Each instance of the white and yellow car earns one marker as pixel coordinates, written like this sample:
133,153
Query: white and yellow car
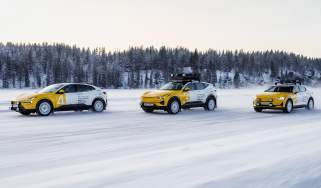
61,97
284,97
184,91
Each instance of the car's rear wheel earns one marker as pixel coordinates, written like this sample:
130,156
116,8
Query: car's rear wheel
173,106
310,105
44,108
258,109
288,106
98,105
210,104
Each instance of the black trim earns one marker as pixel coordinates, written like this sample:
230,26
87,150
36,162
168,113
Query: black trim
277,107
193,104
73,107
154,107
21,109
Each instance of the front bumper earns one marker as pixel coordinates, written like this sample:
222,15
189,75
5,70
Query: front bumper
18,107
152,107
268,105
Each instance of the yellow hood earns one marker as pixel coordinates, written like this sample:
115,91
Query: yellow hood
25,96
158,93
272,95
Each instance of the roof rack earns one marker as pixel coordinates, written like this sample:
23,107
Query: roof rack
288,82
185,77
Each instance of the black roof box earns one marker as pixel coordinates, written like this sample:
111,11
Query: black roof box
185,77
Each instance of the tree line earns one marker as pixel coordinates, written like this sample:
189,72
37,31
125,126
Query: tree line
39,65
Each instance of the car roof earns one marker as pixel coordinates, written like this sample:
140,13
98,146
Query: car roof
65,84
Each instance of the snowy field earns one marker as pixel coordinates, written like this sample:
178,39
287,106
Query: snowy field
233,147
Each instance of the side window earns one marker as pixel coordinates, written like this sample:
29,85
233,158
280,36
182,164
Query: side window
84,88
70,89
296,89
191,86
302,89
201,86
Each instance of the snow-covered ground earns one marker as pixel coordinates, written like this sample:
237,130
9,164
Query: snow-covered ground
125,147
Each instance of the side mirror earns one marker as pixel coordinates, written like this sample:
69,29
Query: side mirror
186,89
61,91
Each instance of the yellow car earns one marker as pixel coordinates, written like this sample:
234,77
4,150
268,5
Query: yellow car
185,91
61,97
284,97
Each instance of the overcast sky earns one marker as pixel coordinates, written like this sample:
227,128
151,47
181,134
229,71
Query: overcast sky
290,25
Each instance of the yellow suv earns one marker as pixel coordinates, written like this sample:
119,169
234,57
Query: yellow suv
284,97
184,91
61,97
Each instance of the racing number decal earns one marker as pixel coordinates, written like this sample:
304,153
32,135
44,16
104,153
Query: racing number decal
62,100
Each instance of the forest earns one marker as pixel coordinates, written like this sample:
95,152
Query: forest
38,65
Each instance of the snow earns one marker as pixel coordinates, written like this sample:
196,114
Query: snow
125,147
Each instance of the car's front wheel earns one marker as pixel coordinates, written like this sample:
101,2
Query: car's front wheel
98,105
288,106
173,106
310,105
44,108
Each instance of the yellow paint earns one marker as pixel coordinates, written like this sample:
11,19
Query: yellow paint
29,102
278,99
161,97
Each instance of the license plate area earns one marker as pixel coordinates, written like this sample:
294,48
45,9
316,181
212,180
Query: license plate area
148,104
266,103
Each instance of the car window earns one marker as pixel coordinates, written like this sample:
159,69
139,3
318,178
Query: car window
70,88
302,89
287,89
192,86
201,86
84,88
296,89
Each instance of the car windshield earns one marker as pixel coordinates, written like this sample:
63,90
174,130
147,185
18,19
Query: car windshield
51,88
172,86
287,89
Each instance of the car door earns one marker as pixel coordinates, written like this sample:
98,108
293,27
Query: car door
85,94
298,96
70,92
201,93
304,95
192,93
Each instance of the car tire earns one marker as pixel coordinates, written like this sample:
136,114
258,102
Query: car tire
288,106
310,105
258,109
173,106
98,105
210,104
44,108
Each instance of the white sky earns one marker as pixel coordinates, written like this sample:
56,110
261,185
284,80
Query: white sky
291,25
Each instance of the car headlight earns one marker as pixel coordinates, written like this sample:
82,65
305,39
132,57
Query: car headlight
29,100
161,98
281,98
